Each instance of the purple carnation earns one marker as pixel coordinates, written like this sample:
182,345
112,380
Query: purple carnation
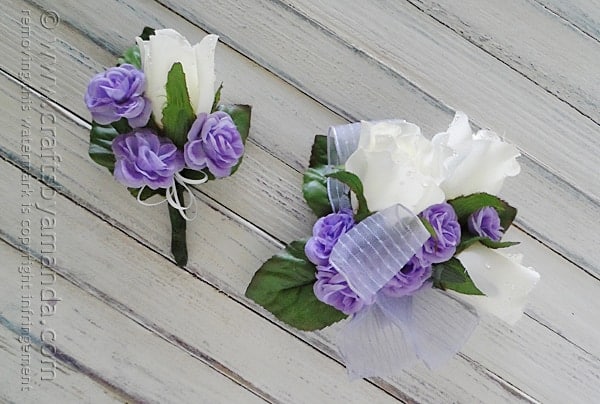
410,278
444,221
118,93
326,232
145,159
332,288
213,142
486,223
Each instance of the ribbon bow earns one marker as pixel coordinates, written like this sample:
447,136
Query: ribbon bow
392,333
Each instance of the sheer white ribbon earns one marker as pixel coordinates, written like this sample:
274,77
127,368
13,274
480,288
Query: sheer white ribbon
392,333
172,198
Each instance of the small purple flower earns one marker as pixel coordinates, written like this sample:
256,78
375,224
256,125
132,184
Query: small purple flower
213,142
486,223
444,221
118,93
331,288
145,159
410,279
326,232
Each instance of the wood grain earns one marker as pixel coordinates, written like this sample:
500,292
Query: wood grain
384,86
581,13
546,49
208,257
534,192
551,355
225,254
196,323
88,339
16,388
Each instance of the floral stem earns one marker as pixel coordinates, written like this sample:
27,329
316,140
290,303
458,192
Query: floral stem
178,230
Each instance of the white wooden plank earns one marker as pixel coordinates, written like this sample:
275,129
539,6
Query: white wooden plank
18,388
584,14
523,34
233,276
562,233
81,335
347,79
416,47
226,254
94,341
184,322
255,206
291,142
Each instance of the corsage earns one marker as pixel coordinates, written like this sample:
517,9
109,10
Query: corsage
158,125
408,244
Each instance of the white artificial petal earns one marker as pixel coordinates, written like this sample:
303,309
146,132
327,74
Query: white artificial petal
501,277
482,166
167,47
204,51
397,164
472,163
387,182
459,130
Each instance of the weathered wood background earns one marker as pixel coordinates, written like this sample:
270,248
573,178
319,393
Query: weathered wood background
130,326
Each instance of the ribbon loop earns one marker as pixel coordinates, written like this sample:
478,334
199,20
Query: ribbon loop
393,333
377,248
172,198
342,141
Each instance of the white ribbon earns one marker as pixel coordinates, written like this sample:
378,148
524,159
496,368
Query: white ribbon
392,333
173,199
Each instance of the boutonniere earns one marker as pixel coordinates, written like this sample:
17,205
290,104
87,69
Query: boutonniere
408,245
158,125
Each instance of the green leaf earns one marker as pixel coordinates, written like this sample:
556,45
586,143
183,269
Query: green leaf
314,189
498,244
131,56
468,240
429,228
240,115
197,175
217,98
355,186
100,150
318,153
178,115
146,193
147,33
122,126
453,275
178,229
466,205
284,286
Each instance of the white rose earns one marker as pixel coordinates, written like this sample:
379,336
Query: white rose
167,47
397,164
501,277
480,161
